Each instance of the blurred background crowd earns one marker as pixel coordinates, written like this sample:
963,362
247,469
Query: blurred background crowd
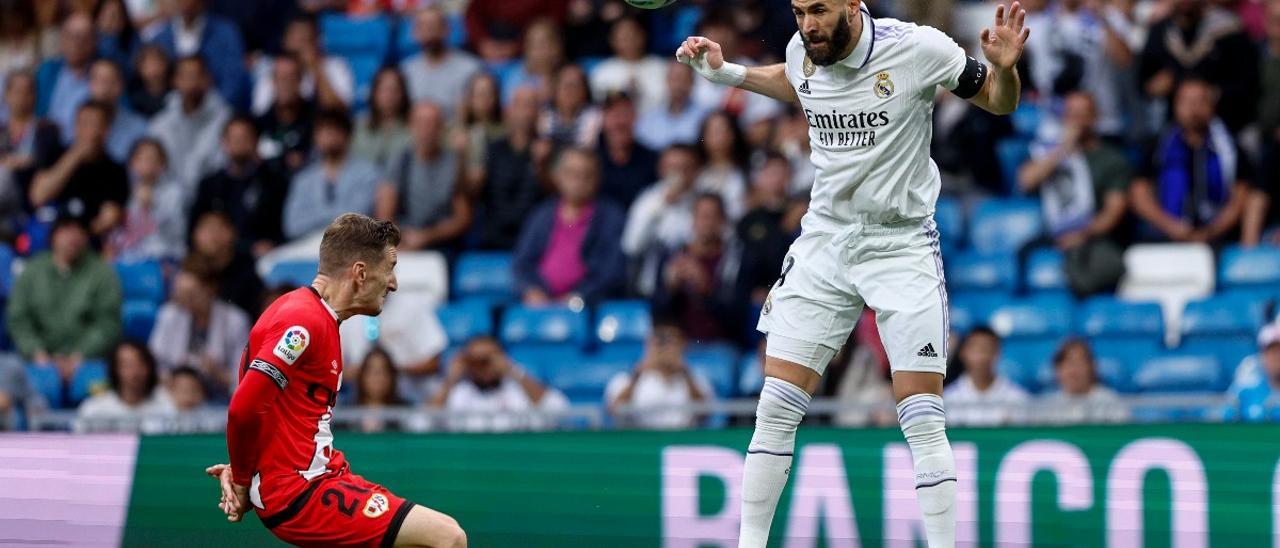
587,223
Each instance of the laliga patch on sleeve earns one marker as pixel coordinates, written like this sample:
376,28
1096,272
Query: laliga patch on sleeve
292,344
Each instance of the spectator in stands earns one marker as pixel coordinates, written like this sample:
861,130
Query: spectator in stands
65,306
630,69
376,389
333,184
586,34
117,37
660,385
792,140
859,375
186,390
327,81
155,219
85,180
149,84
193,31
512,178
286,124
1080,397
1081,48
1193,187
965,140
1201,41
195,329
191,122
569,246
484,16
64,81
251,192
764,237
106,86
479,123
627,167
423,190
491,393
719,28
26,143
1263,218
1261,401
1081,182
440,73
571,119
411,335
543,56
384,129
133,402
16,392
21,47
725,152
213,240
675,120
980,396
660,221
699,284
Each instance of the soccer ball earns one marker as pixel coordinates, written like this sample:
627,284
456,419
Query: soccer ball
650,4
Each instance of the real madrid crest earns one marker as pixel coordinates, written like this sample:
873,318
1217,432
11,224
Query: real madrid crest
883,85
809,67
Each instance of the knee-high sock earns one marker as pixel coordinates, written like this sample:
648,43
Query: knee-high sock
768,464
924,425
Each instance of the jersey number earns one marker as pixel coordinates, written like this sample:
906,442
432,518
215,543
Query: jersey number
330,497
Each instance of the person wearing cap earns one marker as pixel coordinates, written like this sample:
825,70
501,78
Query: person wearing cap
1260,401
65,306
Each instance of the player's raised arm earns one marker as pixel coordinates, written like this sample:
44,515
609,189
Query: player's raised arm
1002,44
707,59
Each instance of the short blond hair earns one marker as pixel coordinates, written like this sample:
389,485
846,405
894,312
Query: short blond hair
352,238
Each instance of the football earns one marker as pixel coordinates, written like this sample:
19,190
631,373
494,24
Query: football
650,4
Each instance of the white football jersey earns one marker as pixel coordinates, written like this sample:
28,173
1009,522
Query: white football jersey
871,120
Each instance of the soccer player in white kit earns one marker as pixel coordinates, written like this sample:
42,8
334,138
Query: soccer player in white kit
867,87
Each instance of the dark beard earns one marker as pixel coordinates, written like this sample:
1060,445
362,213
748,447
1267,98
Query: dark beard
834,45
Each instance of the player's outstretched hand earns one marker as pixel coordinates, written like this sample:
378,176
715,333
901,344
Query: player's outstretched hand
701,54
1003,43
235,499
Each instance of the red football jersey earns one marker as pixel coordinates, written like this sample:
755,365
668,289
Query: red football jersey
295,343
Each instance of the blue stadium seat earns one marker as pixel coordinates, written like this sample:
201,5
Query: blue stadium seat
619,322
346,36
292,273
969,309
407,47
1118,358
1024,360
364,67
718,363
6,269
1026,119
1004,225
750,376
141,281
1045,272
949,216
484,274
1108,317
1230,350
969,271
1012,152
1180,372
138,317
45,381
463,320
1255,267
1044,316
1222,315
582,377
88,380
552,325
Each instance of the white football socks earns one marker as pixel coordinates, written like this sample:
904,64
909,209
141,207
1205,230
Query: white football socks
768,464
923,423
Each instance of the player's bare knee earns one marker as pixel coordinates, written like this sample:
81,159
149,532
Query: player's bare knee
454,536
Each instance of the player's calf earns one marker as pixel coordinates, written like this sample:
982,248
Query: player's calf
923,423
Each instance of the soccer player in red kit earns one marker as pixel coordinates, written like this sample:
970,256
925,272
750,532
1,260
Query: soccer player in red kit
283,463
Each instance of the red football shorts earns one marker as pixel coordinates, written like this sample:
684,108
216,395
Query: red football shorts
341,510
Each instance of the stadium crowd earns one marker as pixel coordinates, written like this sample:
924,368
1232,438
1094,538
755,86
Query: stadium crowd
162,160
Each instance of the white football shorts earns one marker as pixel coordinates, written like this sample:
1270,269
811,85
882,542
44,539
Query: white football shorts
831,272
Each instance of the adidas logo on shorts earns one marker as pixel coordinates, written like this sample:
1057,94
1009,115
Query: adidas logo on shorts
927,351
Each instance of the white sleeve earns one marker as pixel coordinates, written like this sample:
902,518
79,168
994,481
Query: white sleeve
938,60
642,221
